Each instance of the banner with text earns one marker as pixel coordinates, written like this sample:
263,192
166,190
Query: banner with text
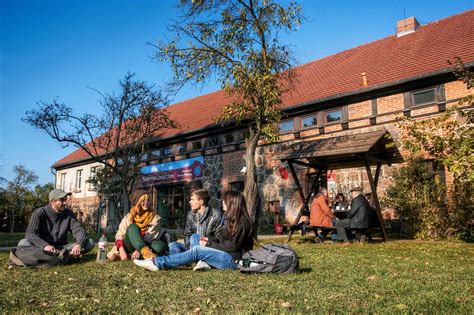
182,170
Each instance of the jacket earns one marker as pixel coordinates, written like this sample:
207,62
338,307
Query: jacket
237,244
320,213
359,214
204,225
48,227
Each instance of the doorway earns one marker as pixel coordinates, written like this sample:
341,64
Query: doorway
172,206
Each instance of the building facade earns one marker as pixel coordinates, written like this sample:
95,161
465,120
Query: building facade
367,88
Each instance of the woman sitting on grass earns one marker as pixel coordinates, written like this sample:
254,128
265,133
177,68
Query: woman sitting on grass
221,250
137,233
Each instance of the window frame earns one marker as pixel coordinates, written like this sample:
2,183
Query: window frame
62,181
194,147
286,121
327,112
166,149
314,116
78,184
227,135
431,89
209,145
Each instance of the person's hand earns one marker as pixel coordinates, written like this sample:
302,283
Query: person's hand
50,249
123,254
76,250
135,255
203,241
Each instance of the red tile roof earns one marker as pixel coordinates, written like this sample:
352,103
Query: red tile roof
384,61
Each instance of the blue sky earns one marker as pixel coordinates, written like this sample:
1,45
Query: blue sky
63,48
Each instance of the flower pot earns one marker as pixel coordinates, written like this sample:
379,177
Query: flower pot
278,228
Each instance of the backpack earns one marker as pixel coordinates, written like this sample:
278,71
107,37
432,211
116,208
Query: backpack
270,258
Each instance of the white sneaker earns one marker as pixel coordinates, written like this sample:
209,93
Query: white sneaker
147,264
202,266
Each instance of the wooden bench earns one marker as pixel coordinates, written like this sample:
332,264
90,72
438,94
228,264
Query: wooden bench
361,234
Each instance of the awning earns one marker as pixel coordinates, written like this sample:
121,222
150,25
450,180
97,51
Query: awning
345,151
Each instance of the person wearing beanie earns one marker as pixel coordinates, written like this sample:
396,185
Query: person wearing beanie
138,231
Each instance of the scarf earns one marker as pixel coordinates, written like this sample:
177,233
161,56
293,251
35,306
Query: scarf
141,220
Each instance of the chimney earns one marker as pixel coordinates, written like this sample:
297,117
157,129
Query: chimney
407,26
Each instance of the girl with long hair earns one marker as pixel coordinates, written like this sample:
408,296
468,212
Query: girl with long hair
138,232
221,250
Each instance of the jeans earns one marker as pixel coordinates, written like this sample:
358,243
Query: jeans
194,240
176,248
214,257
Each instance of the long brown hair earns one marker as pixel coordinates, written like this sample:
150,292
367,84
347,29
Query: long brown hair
236,214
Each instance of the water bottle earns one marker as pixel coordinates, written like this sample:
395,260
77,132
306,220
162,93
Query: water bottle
248,263
102,249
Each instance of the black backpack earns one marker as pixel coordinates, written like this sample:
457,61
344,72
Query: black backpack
270,258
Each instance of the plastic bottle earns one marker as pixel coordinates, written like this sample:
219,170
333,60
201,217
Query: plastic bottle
102,249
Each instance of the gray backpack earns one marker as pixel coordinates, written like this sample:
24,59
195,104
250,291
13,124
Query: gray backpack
270,258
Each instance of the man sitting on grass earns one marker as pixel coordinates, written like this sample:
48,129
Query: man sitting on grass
46,235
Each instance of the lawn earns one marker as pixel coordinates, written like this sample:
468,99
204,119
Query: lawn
393,277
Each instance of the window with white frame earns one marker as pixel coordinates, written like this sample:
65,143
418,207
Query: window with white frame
62,181
78,179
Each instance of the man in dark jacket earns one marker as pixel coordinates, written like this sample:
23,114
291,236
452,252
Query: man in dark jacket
46,235
357,218
202,222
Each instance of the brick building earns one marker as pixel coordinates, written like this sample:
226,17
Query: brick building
363,89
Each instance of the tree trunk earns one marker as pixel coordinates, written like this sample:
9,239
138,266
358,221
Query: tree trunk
251,188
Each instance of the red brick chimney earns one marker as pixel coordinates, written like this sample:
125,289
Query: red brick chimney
407,26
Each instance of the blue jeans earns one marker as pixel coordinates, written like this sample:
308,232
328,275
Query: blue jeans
214,257
194,240
176,248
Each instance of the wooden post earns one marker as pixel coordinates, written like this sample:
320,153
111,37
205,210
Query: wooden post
303,198
373,187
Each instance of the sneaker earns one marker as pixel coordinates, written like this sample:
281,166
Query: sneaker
318,239
147,264
202,266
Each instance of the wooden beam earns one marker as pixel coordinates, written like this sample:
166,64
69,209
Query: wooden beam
375,197
304,198
377,174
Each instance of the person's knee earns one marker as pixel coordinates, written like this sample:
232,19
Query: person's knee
24,243
88,245
133,227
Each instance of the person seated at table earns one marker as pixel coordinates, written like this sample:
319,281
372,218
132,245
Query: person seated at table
340,202
321,214
357,218
137,235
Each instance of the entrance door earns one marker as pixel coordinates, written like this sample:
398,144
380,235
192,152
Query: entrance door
171,206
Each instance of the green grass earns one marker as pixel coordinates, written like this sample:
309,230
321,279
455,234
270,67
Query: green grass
392,277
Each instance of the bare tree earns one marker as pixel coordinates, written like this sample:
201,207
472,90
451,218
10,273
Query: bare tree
118,139
237,43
